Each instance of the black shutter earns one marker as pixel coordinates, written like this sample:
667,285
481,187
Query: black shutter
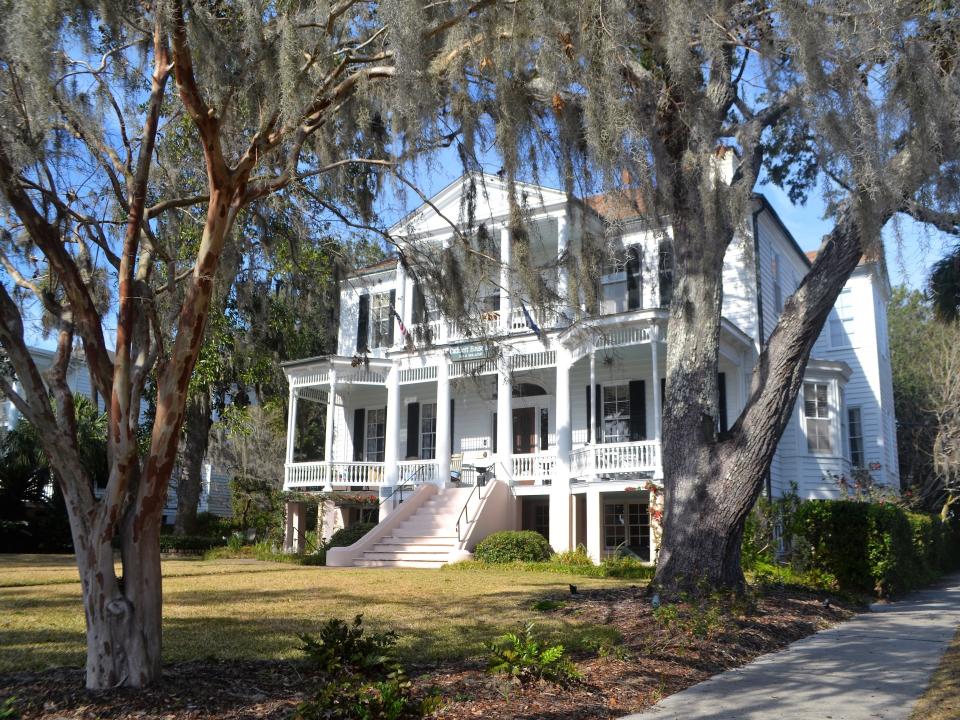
359,427
451,426
722,392
663,394
393,301
544,429
634,301
598,415
363,324
589,438
413,430
494,433
419,310
638,410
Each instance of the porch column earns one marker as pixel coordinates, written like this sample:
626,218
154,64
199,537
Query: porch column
563,278
400,306
504,423
595,419
291,423
443,422
391,441
299,526
505,299
594,524
288,527
328,434
657,400
561,519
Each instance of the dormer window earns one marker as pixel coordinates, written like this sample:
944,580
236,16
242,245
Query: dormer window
381,321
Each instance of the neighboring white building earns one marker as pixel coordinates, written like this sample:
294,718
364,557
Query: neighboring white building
567,421
78,380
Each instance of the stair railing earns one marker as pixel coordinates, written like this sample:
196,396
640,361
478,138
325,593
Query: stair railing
464,516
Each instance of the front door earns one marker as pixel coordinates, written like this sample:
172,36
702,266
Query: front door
524,431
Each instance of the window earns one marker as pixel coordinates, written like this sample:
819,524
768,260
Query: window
541,519
616,413
627,525
841,321
777,285
816,411
376,434
428,431
665,272
855,431
380,320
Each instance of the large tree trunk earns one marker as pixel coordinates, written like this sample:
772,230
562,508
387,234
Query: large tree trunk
197,424
711,484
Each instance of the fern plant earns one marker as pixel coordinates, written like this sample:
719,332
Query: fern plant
524,658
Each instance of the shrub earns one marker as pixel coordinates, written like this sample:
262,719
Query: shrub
870,547
513,546
626,567
359,679
348,536
573,558
189,543
522,657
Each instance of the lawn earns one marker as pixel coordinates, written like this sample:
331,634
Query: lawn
246,609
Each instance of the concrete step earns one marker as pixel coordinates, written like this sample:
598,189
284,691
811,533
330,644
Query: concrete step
410,548
426,564
422,540
415,554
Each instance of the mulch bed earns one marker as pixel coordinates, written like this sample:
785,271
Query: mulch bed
659,653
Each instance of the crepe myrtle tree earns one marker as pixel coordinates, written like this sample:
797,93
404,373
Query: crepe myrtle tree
854,99
97,245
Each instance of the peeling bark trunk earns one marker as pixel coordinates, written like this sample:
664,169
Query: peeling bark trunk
197,424
711,484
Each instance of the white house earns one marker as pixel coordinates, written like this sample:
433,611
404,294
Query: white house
555,426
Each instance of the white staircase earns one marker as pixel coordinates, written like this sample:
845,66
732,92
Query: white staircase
425,539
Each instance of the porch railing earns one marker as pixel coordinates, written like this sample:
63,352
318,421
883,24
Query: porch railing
614,459
338,474
416,472
533,468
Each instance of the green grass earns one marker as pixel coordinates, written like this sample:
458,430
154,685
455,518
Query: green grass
225,609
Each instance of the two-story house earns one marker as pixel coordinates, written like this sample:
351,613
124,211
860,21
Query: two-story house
551,420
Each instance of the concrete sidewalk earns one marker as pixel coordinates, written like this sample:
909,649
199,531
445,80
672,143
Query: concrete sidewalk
874,666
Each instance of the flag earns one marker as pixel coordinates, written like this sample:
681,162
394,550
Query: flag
403,328
530,323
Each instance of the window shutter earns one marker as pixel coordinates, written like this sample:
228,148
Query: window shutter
413,430
722,393
419,309
634,300
359,427
494,443
544,429
363,324
598,415
451,426
393,320
663,394
638,410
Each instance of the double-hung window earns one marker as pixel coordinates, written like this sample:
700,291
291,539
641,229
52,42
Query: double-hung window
816,413
380,320
376,434
855,433
616,413
428,431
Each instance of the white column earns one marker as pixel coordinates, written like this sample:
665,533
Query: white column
331,415
291,424
400,305
504,423
563,289
299,526
594,524
561,518
443,422
595,419
657,400
505,299
391,443
288,527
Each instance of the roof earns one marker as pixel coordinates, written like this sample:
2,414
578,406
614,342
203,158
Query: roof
625,204
389,264
864,259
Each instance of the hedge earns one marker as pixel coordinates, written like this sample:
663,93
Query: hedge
348,536
513,545
874,547
189,543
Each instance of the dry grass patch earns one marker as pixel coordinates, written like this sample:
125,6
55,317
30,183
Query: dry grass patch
245,609
941,700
